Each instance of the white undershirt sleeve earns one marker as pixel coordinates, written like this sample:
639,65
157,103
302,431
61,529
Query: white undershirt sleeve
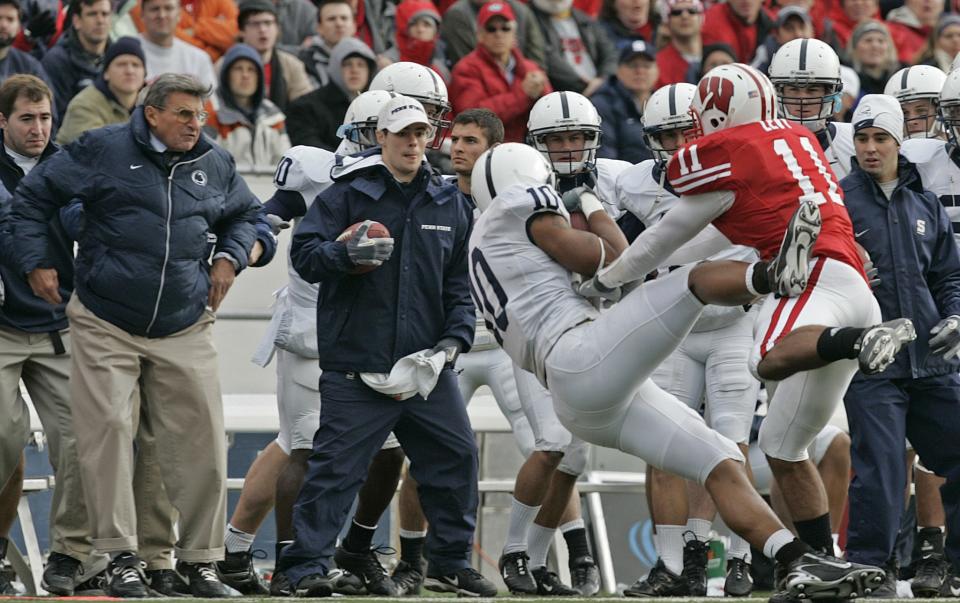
654,246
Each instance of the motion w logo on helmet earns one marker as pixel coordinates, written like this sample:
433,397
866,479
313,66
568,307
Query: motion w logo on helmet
716,94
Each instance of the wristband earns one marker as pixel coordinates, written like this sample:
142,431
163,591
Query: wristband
589,203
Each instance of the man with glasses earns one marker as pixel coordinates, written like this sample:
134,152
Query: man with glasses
496,75
154,192
679,60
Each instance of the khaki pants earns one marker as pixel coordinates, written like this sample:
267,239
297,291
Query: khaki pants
156,517
179,377
31,357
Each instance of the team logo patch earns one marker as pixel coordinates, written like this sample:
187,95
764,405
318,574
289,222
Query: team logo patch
199,177
921,227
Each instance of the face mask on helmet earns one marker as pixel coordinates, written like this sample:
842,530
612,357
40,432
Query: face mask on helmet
921,120
809,104
569,151
950,119
438,114
361,133
665,142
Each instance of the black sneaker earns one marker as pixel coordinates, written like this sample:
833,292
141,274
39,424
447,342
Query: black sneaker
237,571
367,567
660,582
929,574
280,585
466,583
314,585
549,584
585,576
6,586
739,583
878,346
125,577
167,583
789,270
951,586
60,574
345,583
203,580
887,588
695,564
782,596
516,574
94,586
818,576
408,579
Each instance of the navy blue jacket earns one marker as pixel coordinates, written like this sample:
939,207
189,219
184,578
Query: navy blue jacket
142,264
23,310
910,240
70,69
419,296
620,125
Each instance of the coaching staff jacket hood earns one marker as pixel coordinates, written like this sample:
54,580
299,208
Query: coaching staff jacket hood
910,240
143,262
420,295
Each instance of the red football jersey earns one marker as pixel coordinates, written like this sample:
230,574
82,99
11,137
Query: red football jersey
769,166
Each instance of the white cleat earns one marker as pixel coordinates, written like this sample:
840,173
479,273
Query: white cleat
789,270
879,344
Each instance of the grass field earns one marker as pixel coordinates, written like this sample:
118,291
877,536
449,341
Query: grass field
433,599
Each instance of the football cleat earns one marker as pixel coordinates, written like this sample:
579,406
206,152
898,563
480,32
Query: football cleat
738,583
930,571
660,582
789,270
237,571
951,586
126,580
695,564
466,582
367,567
314,586
584,576
516,574
60,574
820,576
203,580
549,584
408,579
878,346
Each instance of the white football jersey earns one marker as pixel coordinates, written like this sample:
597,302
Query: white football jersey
608,172
839,150
643,191
526,298
939,174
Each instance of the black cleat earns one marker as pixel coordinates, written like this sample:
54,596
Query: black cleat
313,586
6,586
280,585
465,583
367,567
167,583
60,575
821,576
408,578
345,583
549,584
695,564
951,586
203,580
930,571
516,573
660,582
237,571
94,586
125,577
739,583
878,346
585,576
789,270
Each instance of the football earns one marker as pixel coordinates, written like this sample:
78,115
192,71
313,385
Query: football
579,221
376,231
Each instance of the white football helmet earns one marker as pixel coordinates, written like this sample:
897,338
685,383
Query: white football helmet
505,165
667,109
800,63
422,83
949,108
732,95
565,112
918,83
359,128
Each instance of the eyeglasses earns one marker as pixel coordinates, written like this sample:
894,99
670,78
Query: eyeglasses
676,12
186,116
506,28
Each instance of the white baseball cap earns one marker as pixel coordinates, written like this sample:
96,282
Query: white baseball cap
400,112
879,111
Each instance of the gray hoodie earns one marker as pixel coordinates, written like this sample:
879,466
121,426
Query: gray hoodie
345,49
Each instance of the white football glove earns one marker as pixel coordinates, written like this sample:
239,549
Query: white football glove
946,338
593,288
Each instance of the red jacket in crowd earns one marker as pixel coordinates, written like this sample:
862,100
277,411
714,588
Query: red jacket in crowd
673,67
910,41
721,24
479,81
843,25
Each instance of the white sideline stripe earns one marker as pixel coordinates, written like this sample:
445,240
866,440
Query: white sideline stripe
699,173
707,180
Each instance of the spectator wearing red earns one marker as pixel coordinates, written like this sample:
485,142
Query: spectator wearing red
843,18
458,30
418,37
680,58
944,44
742,24
496,75
628,20
911,25
210,25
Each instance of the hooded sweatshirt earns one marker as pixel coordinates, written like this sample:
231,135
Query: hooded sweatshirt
427,53
256,136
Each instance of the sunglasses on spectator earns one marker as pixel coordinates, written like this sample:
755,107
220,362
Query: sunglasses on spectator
676,12
506,27
185,116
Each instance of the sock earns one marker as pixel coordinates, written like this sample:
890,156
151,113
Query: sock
411,546
700,527
237,541
359,537
539,540
521,518
671,547
757,280
739,549
816,533
784,547
837,551
838,343
656,545
576,539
